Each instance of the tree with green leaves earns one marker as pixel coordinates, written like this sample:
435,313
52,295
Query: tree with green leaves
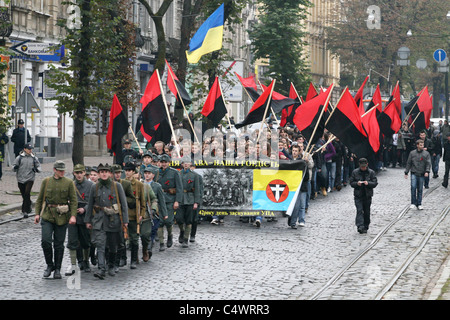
94,67
278,35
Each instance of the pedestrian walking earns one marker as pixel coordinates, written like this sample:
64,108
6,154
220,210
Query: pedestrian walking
363,180
3,141
135,213
436,153
446,159
195,219
26,165
79,237
170,181
161,212
56,207
189,202
419,163
106,215
18,137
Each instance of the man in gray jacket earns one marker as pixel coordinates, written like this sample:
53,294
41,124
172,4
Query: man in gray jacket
26,165
419,162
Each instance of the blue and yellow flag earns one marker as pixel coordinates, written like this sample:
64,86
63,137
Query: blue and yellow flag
208,38
274,189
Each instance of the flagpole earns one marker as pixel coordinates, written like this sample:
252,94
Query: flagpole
300,100
223,99
168,113
182,103
407,116
320,117
370,110
336,105
265,111
415,118
273,113
132,132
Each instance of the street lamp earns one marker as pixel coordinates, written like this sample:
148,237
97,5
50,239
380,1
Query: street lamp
409,33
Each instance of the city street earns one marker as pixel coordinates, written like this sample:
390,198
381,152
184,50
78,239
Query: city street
237,261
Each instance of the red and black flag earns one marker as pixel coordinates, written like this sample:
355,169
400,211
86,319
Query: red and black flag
287,114
162,131
396,98
250,87
359,95
259,108
345,123
310,114
370,124
389,120
154,109
420,103
279,102
177,89
214,108
118,127
376,101
312,92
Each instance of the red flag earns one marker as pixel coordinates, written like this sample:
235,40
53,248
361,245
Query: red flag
177,88
279,102
250,87
376,101
118,127
389,120
153,106
345,123
307,116
259,108
287,114
370,124
312,92
214,108
359,95
396,97
424,102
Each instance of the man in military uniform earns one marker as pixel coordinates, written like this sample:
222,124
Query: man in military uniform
56,206
136,214
189,202
147,159
196,211
106,215
79,239
151,212
170,181
117,172
161,211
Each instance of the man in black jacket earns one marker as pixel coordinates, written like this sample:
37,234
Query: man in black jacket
446,159
18,137
363,180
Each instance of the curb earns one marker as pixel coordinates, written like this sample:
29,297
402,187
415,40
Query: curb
443,278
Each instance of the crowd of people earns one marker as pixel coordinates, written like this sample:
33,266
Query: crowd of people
141,197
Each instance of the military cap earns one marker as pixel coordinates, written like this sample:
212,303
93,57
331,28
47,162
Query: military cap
59,165
94,168
130,166
127,141
155,157
104,167
79,167
147,154
164,157
151,169
128,158
116,168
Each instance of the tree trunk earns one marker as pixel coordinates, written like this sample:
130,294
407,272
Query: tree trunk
83,80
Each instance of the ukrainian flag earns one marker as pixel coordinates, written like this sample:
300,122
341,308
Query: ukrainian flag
208,38
274,189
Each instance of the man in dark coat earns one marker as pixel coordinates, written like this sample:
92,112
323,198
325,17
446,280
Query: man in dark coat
363,181
18,137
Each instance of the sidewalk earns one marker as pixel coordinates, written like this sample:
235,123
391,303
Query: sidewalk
8,185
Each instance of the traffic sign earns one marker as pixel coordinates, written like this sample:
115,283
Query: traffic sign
439,55
27,103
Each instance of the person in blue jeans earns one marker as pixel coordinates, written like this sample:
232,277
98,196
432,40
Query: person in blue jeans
298,214
419,163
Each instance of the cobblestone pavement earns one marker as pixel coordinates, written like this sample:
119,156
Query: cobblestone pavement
237,261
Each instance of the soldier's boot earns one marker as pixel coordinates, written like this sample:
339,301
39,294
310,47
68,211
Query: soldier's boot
59,254
169,237
134,256
123,256
186,238
193,232
93,255
150,250
80,258
101,266
48,255
160,233
86,266
145,255
181,237
111,261
73,262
